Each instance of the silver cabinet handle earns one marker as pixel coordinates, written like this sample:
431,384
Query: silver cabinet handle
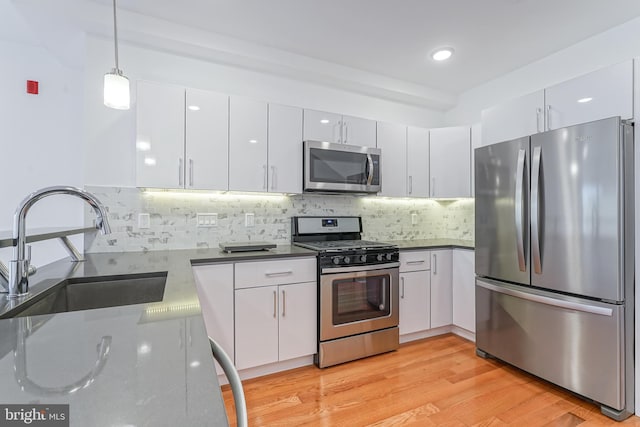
180,173
519,211
284,303
570,305
538,117
337,132
273,177
345,126
402,290
535,210
278,273
433,187
435,264
275,304
418,261
264,177
190,172
548,117
410,184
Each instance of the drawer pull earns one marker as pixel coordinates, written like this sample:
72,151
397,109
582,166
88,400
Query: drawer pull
419,261
278,273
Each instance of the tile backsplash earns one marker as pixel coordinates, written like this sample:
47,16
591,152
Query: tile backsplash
174,225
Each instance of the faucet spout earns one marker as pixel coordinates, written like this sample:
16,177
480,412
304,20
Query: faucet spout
19,266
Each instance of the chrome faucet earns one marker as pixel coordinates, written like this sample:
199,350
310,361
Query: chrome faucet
19,267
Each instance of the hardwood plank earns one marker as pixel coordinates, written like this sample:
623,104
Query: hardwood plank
438,381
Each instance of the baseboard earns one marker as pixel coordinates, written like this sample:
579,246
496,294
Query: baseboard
272,368
468,335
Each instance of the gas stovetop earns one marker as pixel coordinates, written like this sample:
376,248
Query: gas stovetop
343,245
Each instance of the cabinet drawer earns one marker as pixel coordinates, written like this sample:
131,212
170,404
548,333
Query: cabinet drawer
414,261
266,273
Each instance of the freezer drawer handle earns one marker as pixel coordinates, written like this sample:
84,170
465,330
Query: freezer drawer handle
519,211
546,300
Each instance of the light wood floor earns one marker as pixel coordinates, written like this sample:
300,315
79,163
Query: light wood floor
434,382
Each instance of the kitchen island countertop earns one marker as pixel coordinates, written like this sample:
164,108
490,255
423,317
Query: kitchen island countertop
144,364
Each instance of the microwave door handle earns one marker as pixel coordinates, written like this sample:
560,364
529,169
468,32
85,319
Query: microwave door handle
369,169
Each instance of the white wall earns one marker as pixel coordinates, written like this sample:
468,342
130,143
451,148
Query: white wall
610,47
41,134
110,134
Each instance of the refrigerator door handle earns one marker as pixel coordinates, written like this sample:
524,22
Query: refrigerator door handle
569,305
535,209
519,212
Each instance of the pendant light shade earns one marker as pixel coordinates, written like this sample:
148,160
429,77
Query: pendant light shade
116,84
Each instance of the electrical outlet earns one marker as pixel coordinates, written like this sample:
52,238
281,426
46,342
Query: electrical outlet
414,219
207,219
144,220
249,220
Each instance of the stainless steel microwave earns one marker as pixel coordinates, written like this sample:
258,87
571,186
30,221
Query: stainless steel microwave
341,168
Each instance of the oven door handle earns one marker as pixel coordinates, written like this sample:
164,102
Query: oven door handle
329,270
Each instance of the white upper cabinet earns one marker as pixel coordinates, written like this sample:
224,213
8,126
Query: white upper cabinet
321,126
513,119
247,144
357,131
450,162
603,93
392,140
181,138
332,127
417,162
207,140
476,141
285,149
160,136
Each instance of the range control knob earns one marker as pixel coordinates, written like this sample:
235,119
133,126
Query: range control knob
379,257
388,256
363,258
335,260
346,260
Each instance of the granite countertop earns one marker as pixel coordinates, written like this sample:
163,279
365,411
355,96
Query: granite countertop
145,364
433,244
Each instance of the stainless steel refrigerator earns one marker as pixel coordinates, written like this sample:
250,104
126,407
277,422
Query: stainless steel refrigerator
555,258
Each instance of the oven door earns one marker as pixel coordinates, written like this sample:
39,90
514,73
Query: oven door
332,167
358,301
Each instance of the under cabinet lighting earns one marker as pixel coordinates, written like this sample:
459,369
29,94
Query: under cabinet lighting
585,100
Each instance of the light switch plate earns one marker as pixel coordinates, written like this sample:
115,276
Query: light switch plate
249,220
144,220
207,219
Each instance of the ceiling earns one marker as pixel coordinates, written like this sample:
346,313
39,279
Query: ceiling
393,38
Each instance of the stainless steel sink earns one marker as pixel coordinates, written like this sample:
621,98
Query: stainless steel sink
94,292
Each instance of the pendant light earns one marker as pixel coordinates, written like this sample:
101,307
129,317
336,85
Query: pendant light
116,84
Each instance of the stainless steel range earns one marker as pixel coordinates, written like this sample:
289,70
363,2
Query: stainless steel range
358,291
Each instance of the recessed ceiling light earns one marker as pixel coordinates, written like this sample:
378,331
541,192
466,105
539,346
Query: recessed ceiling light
584,100
442,53
253,141
324,121
193,108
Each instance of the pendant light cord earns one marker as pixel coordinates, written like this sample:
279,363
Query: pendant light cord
115,36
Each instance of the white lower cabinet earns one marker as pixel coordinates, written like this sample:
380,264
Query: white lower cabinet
214,283
275,323
441,292
464,296
414,301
